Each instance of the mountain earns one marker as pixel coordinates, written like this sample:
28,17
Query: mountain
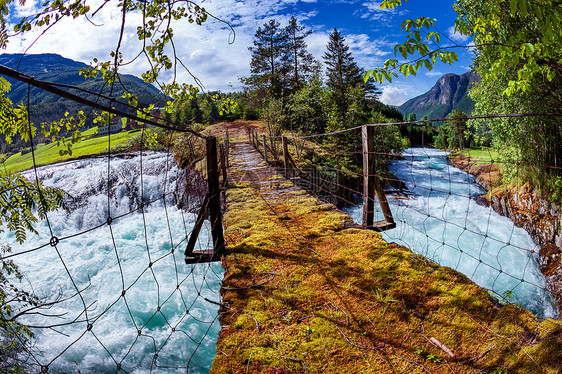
449,93
47,107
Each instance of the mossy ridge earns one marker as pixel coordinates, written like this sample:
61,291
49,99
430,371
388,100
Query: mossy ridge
306,295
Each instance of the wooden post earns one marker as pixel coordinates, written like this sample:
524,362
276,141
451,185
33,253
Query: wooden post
372,185
285,156
368,140
264,148
214,196
273,147
227,147
223,164
249,134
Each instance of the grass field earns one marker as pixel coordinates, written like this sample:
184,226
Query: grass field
49,153
482,155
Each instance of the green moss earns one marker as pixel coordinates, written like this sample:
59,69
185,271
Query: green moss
306,295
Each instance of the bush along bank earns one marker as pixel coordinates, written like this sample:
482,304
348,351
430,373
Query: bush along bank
542,219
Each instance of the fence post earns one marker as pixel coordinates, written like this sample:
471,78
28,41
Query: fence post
372,185
223,164
227,147
214,196
285,155
368,141
273,147
249,129
264,148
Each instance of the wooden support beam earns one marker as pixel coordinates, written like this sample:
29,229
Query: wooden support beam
388,218
264,148
197,227
214,196
273,147
285,156
223,165
227,147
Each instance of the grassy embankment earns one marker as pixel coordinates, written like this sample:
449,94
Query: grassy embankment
46,154
484,163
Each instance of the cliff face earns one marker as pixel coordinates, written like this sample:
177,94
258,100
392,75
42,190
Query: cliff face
449,93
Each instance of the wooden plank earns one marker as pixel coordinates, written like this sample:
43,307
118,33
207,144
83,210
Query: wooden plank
197,257
368,143
197,227
214,196
382,225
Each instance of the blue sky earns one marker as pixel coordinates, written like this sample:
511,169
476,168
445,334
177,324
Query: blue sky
370,32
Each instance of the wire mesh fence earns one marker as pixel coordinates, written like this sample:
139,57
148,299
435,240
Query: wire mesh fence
111,286
433,207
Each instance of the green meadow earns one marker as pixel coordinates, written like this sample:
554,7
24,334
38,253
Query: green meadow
46,154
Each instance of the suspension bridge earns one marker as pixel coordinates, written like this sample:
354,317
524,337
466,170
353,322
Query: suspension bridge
304,289
307,290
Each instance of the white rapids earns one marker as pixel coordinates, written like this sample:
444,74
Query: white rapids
167,319
441,220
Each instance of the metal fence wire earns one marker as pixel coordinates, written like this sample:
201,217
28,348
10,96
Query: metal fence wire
116,290
428,205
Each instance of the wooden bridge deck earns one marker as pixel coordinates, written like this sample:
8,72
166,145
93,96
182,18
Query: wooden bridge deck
304,294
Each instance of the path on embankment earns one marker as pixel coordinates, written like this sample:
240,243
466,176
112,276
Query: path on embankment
305,294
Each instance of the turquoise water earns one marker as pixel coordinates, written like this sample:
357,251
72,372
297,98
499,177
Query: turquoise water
441,220
167,319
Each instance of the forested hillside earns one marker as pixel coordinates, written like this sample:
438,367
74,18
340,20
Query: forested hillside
47,107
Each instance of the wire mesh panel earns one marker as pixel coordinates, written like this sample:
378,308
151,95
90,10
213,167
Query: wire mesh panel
114,293
440,211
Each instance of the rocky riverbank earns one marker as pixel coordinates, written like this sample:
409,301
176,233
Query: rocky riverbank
540,218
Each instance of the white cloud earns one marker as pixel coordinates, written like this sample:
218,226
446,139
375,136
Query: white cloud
373,12
434,73
205,49
456,36
397,94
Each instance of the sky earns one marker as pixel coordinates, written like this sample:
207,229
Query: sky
217,54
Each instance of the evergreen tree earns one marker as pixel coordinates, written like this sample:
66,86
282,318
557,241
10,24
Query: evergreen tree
342,71
299,59
269,61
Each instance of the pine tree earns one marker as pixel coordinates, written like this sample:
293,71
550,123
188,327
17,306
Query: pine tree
269,60
299,59
342,71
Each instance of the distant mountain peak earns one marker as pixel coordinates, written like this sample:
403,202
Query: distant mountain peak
450,92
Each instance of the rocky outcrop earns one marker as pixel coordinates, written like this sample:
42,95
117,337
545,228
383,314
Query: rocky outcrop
449,93
540,218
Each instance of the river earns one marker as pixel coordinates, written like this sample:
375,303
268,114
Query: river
166,320
440,219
